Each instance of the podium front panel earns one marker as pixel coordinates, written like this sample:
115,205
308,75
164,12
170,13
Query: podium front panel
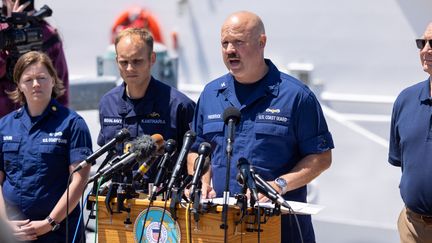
112,228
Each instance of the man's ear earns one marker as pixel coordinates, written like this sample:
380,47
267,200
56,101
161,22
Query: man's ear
153,57
263,40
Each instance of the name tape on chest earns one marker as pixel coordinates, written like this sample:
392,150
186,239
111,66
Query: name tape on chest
272,115
153,121
112,121
55,137
214,116
54,140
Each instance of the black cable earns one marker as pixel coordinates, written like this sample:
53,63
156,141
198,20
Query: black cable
82,208
67,206
190,226
162,218
145,218
259,222
291,211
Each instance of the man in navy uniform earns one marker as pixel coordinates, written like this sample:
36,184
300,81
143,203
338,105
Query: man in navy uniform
282,131
141,103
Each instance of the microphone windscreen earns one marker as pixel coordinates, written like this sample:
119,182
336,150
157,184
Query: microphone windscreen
159,142
231,113
143,147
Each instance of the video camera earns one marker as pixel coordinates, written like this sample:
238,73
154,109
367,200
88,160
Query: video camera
23,34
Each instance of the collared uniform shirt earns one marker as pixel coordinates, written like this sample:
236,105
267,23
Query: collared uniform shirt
35,157
411,146
163,110
281,122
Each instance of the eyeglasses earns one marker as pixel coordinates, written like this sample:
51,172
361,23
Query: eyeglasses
421,43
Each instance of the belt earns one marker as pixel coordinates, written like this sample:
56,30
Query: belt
427,219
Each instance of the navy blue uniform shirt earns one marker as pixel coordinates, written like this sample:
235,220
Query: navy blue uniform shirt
281,122
411,146
163,110
35,157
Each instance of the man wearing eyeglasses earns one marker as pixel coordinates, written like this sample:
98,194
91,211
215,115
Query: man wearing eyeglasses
411,149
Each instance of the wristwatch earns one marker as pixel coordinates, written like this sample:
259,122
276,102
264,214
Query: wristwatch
53,223
282,184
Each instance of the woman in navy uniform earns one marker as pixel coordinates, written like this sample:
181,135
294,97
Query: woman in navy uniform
41,143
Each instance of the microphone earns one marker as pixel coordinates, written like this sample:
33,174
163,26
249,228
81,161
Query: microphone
204,151
188,140
141,149
146,165
231,117
268,190
120,137
244,169
170,149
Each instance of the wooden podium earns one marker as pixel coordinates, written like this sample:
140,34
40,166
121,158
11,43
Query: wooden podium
111,228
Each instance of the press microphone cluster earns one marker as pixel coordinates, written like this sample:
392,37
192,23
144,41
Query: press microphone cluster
120,137
147,164
142,149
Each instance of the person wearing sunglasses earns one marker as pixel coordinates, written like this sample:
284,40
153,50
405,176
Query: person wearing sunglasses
411,149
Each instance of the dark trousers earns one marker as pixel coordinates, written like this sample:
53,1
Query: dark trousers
290,231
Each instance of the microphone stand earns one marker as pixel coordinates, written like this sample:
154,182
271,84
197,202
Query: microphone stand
231,117
226,193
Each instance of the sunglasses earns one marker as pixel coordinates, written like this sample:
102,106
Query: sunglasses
421,43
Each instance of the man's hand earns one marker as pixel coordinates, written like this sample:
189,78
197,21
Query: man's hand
207,191
262,198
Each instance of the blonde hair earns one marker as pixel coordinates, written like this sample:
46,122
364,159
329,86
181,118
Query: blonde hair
24,62
144,35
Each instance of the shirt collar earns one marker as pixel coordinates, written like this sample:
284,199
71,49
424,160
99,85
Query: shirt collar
424,95
51,109
271,82
145,104
271,79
